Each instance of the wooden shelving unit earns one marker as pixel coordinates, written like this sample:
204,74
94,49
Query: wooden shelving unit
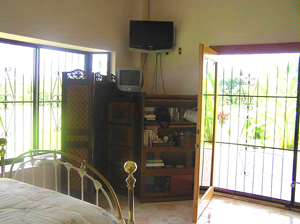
167,183
126,125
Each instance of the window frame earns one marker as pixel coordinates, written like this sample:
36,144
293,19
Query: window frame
36,77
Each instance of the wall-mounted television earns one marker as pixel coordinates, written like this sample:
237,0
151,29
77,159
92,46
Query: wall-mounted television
129,79
151,36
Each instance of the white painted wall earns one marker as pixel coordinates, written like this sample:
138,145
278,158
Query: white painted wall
217,22
100,24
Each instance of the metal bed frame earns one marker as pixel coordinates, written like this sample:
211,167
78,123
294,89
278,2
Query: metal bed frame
35,159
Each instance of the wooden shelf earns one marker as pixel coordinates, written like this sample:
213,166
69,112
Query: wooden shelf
170,97
168,171
185,101
174,124
168,149
171,101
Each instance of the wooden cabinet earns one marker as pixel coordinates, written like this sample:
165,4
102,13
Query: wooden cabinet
129,120
123,139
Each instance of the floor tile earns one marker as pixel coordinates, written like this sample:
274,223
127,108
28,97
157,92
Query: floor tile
221,210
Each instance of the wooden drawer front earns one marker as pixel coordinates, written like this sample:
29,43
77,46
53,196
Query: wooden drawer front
121,112
119,155
120,135
117,177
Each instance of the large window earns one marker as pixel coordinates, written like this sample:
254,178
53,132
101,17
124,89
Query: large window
30,93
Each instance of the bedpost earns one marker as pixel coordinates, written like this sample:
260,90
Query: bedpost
130,167
2,152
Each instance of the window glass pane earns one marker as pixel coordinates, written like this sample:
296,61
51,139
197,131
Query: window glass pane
100,63
52,64
16,97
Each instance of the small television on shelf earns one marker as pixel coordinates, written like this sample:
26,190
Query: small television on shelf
151,36
129,79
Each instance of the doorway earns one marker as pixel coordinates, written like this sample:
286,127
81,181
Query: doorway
256,125
255,149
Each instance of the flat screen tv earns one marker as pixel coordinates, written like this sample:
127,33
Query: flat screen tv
129,79
151,35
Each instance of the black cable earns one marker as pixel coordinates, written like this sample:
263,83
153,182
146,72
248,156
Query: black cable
161,75
154,76
156,65
143,70
148,9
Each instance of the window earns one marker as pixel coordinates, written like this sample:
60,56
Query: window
30,93
100,63
52,64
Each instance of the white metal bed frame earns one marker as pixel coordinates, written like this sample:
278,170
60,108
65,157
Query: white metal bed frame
35,160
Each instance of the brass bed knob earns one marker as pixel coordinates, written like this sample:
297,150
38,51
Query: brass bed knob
130,167
3,142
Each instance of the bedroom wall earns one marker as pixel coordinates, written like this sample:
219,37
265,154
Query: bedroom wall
99,24
217,22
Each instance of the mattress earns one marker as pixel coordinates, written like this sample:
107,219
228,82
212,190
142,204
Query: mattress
24,203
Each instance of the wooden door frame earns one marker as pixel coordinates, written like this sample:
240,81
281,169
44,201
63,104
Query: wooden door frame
292,47
205,199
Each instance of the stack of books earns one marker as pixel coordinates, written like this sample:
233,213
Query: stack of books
154,163
150,136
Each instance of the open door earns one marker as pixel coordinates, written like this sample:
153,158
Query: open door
206,128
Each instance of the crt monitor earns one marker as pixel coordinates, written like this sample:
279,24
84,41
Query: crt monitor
129,79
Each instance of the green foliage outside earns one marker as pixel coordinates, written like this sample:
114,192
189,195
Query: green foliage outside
258,129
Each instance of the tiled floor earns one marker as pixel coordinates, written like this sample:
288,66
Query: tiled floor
221,210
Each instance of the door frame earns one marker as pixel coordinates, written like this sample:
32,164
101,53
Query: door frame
200,203
291,47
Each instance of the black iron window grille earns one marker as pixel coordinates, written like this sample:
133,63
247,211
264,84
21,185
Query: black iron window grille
31,89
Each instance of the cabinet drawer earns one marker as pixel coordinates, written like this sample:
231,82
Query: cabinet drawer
119,155
120,135
121,112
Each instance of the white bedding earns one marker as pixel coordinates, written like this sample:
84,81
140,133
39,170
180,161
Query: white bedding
24,203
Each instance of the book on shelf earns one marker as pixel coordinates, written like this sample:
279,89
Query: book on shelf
155,164
154,161
150,135
174,113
